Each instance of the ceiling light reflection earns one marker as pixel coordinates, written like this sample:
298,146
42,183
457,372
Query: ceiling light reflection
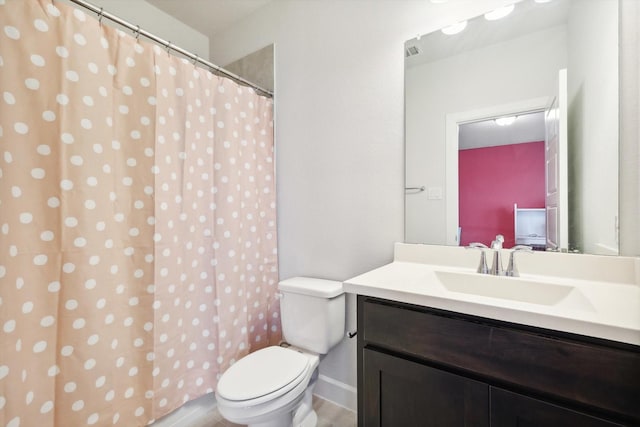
455,28
499,13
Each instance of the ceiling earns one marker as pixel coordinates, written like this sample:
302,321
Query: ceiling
209,17
527,128
526,18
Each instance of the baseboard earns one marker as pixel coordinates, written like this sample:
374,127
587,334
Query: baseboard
190,414
337,392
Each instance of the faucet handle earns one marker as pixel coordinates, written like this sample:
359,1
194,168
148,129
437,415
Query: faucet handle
482,267
477,245
512,271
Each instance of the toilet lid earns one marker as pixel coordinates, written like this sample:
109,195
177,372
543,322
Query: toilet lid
264,372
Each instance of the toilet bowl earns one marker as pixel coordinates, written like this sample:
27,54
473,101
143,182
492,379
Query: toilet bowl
264,388
273,387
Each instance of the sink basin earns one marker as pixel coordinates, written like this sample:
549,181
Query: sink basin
510,288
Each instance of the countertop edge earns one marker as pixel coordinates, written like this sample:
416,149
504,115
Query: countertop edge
580,327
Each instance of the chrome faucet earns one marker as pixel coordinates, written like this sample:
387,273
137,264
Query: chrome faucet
496,266
482,267
512,271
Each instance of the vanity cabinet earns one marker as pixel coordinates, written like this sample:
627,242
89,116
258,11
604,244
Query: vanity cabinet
419,366
401,392
512,409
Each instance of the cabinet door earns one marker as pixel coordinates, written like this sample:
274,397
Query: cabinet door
514,410
399,392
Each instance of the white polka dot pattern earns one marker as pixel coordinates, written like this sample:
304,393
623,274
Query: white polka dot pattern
137,223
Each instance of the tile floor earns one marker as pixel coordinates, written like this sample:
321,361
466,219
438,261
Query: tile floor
329,415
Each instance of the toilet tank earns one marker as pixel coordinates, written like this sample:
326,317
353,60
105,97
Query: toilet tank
313,313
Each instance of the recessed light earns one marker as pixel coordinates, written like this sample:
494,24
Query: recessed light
455,28
505,121
499,13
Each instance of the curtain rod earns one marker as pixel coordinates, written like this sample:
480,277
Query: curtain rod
167,44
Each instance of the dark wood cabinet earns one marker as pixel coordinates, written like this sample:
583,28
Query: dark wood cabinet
406,393
419,366
511,409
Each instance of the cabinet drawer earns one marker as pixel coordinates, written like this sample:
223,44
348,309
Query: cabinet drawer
511,409
595,375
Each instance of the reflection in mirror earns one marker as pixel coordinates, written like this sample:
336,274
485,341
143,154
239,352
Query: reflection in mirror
457,84
512,149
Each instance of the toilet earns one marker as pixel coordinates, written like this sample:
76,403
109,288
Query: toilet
273,387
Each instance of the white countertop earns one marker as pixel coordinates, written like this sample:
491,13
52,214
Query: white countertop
603,309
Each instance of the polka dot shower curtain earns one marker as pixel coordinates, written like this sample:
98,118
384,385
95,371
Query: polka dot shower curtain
137,223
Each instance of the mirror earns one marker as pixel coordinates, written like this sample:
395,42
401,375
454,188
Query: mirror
456,85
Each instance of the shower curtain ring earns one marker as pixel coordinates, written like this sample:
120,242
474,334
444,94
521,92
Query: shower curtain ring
195,59
100,15
168,48
137,32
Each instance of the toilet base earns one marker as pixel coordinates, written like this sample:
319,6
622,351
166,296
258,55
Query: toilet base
283,420
311,420
305,416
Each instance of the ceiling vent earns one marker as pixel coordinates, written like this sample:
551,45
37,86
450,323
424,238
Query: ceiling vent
411,51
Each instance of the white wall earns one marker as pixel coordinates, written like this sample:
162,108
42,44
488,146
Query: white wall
630,128
593,125
520,69
339,131
157,22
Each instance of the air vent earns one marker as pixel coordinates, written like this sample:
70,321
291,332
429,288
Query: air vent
411,51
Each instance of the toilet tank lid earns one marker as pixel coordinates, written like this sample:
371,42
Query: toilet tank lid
310,286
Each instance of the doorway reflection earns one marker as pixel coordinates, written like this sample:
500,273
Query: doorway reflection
501,172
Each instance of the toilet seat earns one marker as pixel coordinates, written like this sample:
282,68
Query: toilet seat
263,376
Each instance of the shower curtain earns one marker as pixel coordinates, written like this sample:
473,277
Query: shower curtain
137,223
